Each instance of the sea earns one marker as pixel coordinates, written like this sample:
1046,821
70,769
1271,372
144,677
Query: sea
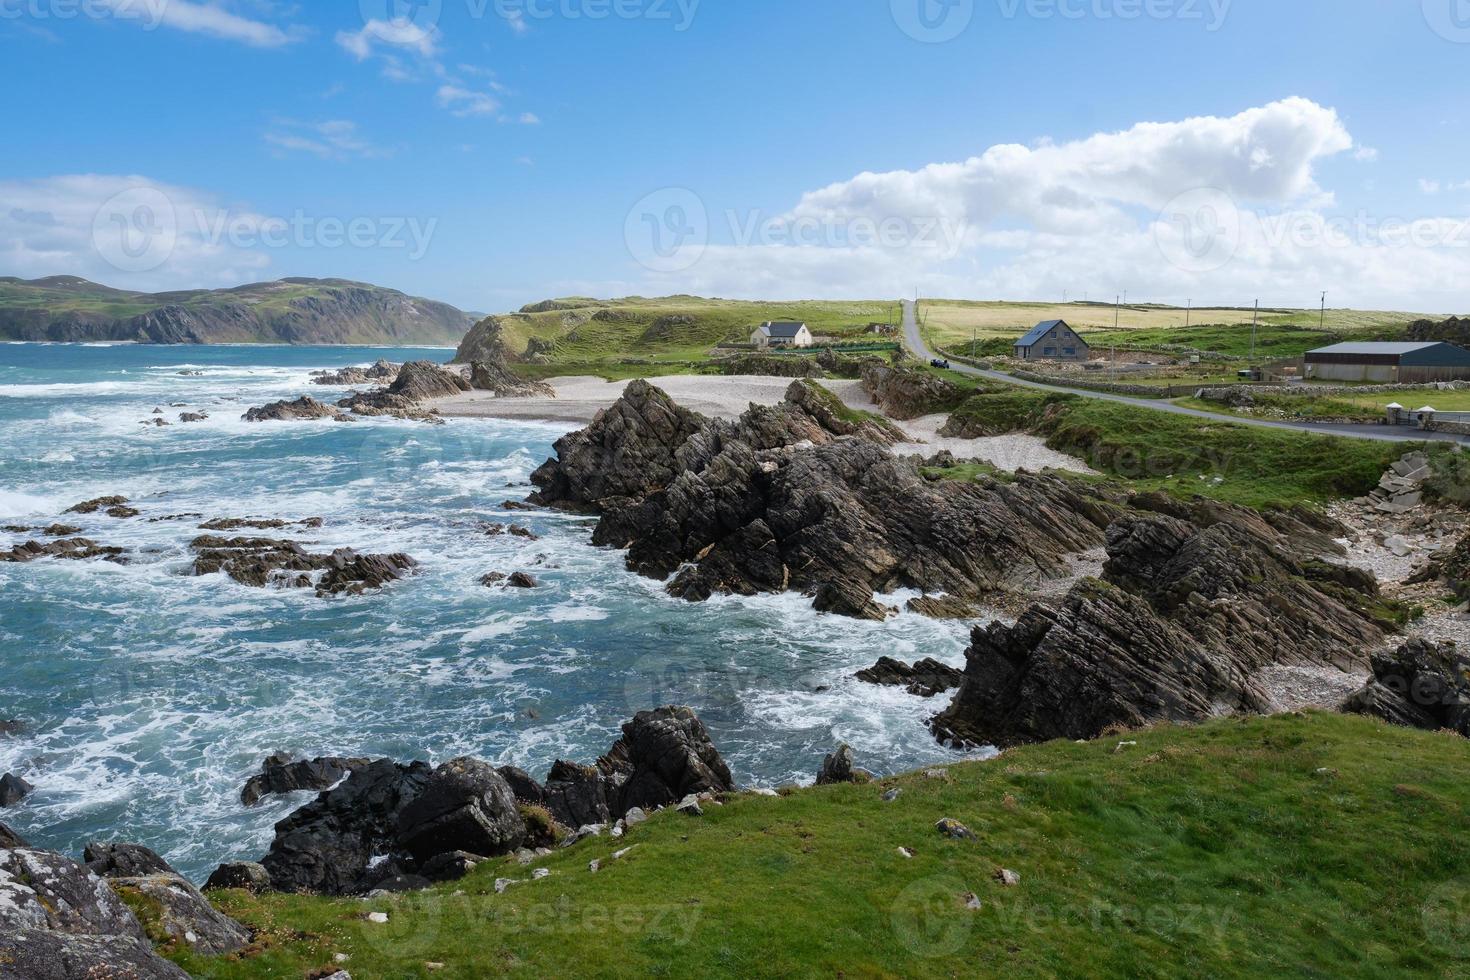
147,695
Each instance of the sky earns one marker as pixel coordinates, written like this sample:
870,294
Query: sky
491,153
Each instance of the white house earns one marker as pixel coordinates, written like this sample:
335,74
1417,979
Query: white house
782,333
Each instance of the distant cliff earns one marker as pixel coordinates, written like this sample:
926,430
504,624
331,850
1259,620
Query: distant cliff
290,311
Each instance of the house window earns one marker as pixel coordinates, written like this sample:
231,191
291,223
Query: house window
1070,351
1049,352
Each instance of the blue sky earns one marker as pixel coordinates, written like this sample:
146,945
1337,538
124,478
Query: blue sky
494,152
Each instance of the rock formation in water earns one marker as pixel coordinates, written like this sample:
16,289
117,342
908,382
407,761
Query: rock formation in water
798,497
280,774
402,826
1186,615
417,381
304,407
380,371
260,562
925,678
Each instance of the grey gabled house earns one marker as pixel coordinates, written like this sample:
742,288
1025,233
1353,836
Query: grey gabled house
1052,340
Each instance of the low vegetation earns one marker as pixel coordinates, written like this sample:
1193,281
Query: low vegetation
1313,844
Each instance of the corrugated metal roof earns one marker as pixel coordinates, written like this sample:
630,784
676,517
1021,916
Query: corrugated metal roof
782,328
1382,349
1040,330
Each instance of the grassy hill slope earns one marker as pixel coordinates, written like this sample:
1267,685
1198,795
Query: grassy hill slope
1302,845
299,311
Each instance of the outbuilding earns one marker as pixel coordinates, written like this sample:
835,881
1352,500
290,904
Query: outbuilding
1052,340
1420,362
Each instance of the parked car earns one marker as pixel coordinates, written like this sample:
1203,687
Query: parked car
939,363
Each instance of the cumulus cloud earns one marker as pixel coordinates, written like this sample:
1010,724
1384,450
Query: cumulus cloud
1223,208
389,35
199,18
127,231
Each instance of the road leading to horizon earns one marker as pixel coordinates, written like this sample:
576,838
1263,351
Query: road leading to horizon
1381,433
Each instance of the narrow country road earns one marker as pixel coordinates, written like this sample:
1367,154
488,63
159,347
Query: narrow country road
1381,433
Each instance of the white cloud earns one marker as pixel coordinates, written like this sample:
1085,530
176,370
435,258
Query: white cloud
399,34
465,102
529,119
517,21
335,139
199,18
73,225
1429,186
1098,215
1366,154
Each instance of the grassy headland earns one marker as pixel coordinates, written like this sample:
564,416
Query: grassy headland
1304,845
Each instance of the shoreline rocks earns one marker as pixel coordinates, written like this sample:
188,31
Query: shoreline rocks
259,562
1185,616
1419,685
382,370
280,775
925,678
303,408
795,498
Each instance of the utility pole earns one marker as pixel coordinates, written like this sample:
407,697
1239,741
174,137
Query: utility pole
1188,308
1117,309
1254,318
1322,322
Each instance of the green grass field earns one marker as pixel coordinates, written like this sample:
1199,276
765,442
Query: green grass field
955,325
1305,845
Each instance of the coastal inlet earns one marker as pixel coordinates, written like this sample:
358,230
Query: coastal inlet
147,695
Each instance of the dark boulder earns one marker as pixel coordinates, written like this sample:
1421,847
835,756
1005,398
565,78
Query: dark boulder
9,838
124,861
1421,685
465,805
495,377
523,785
578,795
664,756
13,789
100,503
259,562
279,774
925,678
380,371
74,549
245,875
329,845
175,909
908,392
837,767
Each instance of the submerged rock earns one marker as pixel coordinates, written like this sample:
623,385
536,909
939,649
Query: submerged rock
304,407
925,678
259,562
100,503
279,774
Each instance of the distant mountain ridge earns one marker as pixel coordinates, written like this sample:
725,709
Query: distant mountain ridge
289,311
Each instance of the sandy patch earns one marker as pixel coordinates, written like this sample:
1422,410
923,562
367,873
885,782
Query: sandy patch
579,399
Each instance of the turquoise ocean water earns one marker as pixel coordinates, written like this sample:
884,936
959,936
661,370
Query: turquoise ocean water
150,695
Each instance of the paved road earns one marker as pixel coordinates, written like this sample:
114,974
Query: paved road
1382,433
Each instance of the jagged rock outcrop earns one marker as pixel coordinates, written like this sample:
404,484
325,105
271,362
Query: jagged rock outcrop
381,371
259,562
280,774
389,825
771,365
59,921
907,392
9,838
925,678
495,377
342,842
124,861
1186,618
1421,685
942,607
793,497
304,407
1402,487
417,382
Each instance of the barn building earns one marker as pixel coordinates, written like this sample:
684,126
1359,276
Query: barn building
1389,363
1052,340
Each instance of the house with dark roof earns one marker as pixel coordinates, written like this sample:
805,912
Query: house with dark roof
1052,340
782,333
1418,362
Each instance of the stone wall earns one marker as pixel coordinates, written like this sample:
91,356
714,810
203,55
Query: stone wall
1225,392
